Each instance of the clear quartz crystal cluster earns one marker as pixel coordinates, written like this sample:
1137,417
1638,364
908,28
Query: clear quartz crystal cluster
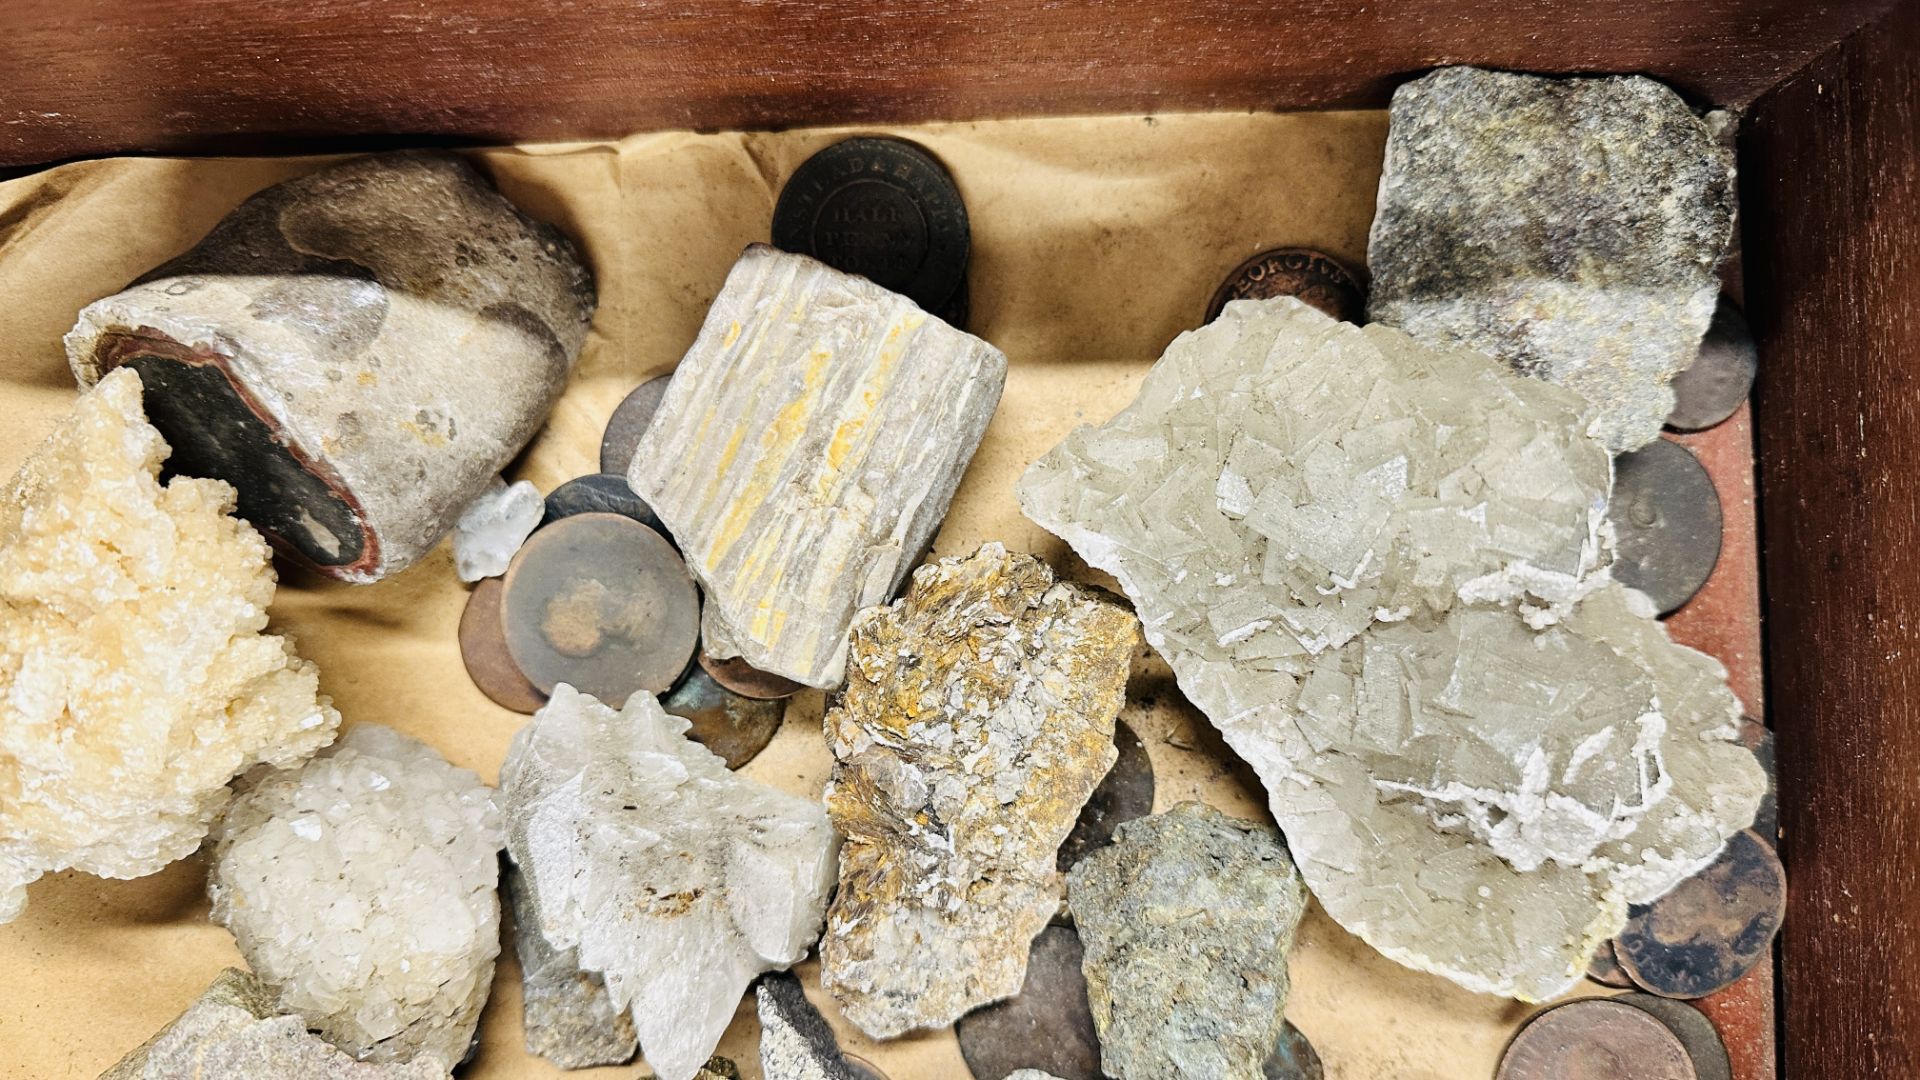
493,526
1379,569
362,887
677,880
135,676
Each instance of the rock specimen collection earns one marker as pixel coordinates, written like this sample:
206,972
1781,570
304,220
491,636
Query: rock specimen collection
493,526
978,717
1571,227
676,880
136,678
566,1013
361,886
1187,920
806,451
357,351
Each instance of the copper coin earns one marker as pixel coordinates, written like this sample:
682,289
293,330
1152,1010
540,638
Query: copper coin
746,680
1047,1026
1720,377
734,727
1294,1058
1766,824
600,493
483,648
630,420
1666,518
603,603
862,1069
1605,969
1126,793
1595,1039
1712,928
1692,1028
1316,278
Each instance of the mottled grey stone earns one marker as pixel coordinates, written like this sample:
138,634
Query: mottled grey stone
795,1041
566,1013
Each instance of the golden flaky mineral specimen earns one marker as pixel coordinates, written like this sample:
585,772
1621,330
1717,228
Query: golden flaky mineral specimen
978,718
135,679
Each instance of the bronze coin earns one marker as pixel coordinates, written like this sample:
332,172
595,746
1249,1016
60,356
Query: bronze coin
1720,377
862,1069
1666,519
1711,928
600,493
734,727
1047,1026
1294,1058
746,680
1692,1028
630,420
1126,793
1605,969
483,648
1595,1039
1766,824
1316,278
603,603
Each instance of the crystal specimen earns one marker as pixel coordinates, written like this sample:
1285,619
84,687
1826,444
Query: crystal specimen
493,526
677,880
1572,227
1373,565
566,1013
795,1041
1187,920
806,451
358,351
236,1032
361,886
977,720
135,677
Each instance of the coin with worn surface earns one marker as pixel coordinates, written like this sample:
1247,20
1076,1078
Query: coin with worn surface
1595,1039
1692,1028
600,493
1294,1058
1316,278
630,421
1711,928
604,603
1048,1025
885,209
1666,516
862,1068
1605,969
734,727
1126,793
1721,377
1766,824
746,680
483,648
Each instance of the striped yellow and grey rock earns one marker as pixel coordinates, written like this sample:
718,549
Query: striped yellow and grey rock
806,452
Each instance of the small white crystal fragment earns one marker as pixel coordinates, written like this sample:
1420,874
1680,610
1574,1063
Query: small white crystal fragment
493,526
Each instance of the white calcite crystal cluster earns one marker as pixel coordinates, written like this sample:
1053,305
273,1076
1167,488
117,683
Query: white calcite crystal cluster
361,886
1380,570
677,880
136,678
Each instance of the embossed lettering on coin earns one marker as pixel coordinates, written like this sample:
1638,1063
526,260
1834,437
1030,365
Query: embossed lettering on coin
1712,927
1317,279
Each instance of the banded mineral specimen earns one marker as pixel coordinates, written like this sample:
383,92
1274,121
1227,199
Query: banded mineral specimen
358,351
677,880
795,1041
566,1013
493,526
1571,227
236,1032
1374,566
361,886
805,453
136,678
1187,920
977,720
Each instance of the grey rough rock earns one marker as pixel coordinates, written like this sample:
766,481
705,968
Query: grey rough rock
357,350
236,1032
493,526
677,880
1572,227
1187,920
566,1013
361,886
795,1041
805,453
1380,570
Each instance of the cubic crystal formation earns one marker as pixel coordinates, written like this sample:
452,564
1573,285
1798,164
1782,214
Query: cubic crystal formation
805,453
1378,568
978,718
362,887
135,675
493,526
566,1013
1187,919
1571,227
677,880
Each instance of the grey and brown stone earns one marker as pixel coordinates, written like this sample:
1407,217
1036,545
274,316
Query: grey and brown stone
566,1013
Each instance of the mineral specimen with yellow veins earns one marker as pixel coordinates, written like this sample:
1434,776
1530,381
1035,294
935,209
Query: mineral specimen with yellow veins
135,677
977,720
806,451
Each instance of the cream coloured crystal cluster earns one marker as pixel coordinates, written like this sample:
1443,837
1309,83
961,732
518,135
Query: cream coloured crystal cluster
361,886
135,675
1380,569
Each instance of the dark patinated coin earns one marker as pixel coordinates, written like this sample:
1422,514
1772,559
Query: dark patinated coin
1692,1028
1595,1039
734,727
1125,794
630,420
483,648
1766,824
1720,377
1316,278
599,493
1666,516
1605,969
1711,928
885,209
744,679
1047,1026
1294,1058
604,603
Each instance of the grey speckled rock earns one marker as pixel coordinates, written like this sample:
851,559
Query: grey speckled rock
795,1041
566,1013
1187,920
1571,227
